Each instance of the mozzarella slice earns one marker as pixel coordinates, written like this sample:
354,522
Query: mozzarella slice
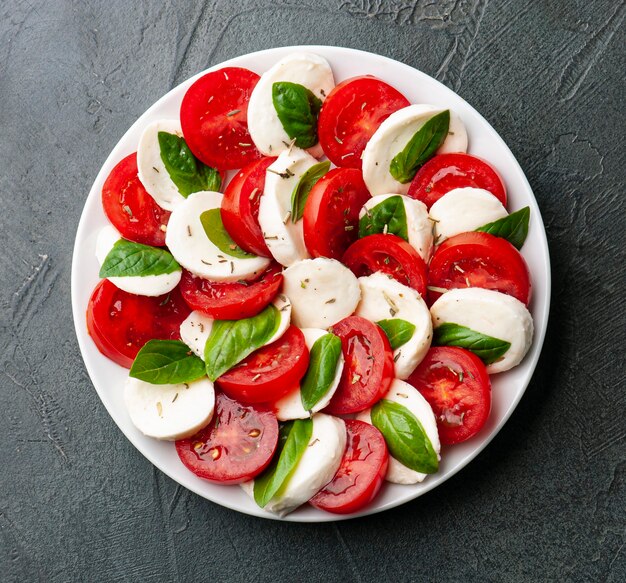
290,406
169,412
383,298
464,209
391,138
266,130
191,247
404,394
492,313
141,285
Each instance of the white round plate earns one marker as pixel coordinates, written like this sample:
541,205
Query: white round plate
508,388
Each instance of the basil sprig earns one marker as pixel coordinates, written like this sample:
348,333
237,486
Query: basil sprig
293,440
397,330
421,147
305,184
389,212
405,436
513,228
487,348
231,341
297,109
218,235
320,375
186,171
166,362
128,258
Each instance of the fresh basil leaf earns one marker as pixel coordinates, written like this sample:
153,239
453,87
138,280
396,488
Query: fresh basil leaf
421,147
320,375
397,330
128,258
231,341
297,109
293,440
389,212
186,171
405,436
487,348
301,191
166,362
218,235
513,228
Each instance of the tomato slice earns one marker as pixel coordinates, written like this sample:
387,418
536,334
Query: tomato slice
331,212
235,447
351,114
214,118
240,207
121,323
130,208
361,473
368,368
478,259
270,372
455,383
446,172
389,254
231,300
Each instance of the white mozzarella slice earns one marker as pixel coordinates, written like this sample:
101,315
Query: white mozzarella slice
191,247
266,130
284,307
492,313
404,394
391,138
169,411
383,298
464,209
195,331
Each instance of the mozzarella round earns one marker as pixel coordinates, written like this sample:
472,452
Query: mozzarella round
404,394
266,130
190,246
391,138
492,313
169,412
383,298
323,291
464,209
195,331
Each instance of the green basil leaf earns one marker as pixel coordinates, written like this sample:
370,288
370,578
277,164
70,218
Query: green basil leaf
320,375
166,362
389,212
292,443
218,235
297,109
301,191
231,341
513,228
128,258
186,171
405,436
421,147
487,348
397,330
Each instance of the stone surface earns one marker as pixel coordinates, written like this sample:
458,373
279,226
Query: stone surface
545,501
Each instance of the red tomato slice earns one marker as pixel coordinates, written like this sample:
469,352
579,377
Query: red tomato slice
446,172
389,254
214,118
455,383
235,447
270,372
478,259
121,323
368,369
130,208
351,114
240,207
361,473
231,300
331,212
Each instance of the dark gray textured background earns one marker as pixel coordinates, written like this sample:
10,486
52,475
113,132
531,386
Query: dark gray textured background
545,501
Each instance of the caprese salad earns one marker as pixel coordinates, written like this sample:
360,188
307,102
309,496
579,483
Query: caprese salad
311,284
